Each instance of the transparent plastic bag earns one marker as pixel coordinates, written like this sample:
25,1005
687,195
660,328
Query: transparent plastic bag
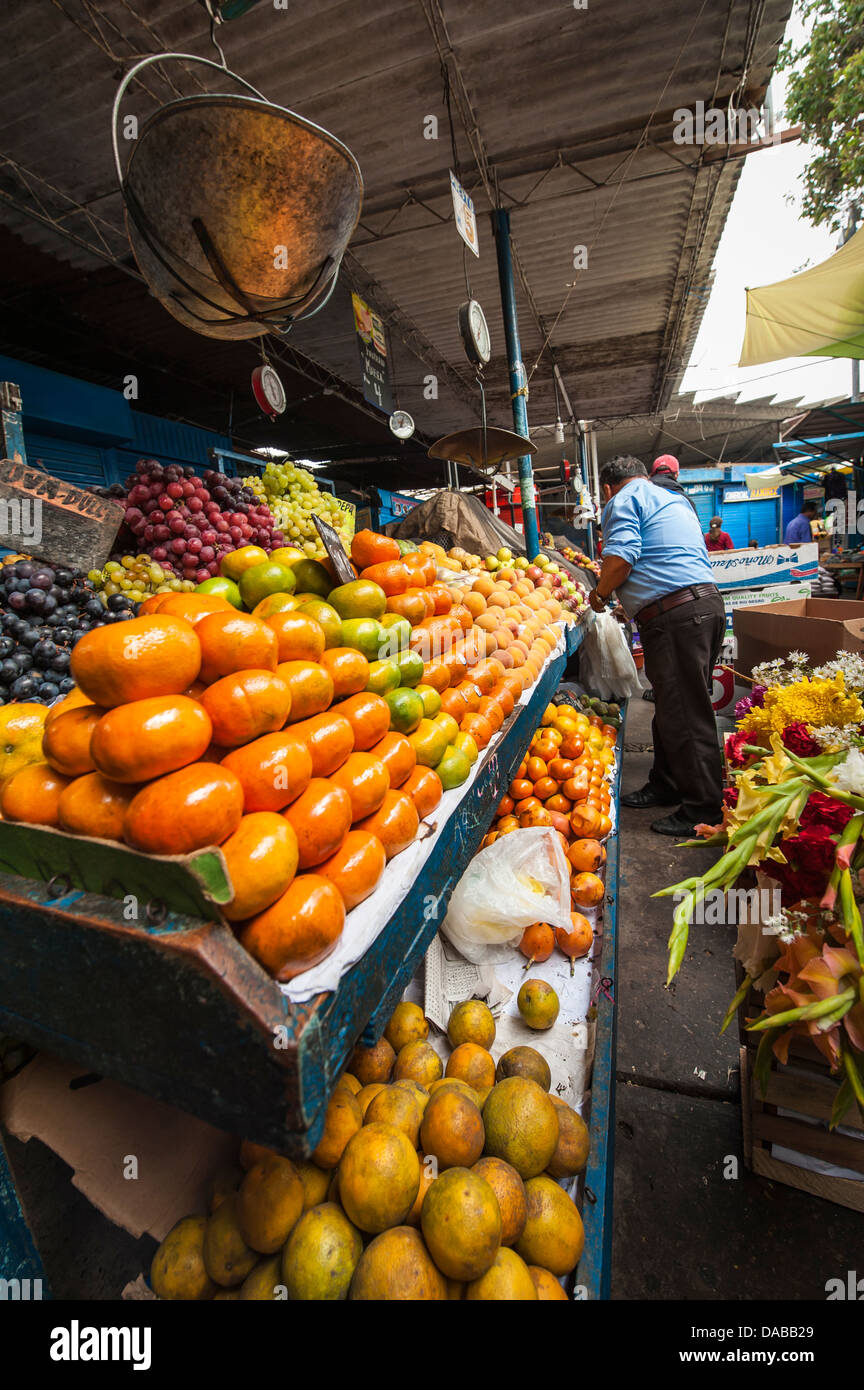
606,664
520,879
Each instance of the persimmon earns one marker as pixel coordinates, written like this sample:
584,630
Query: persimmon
329,738
149,738
136,659
519,788
578,940
246,705
348,669
545,787
74,700
32,794
587,889
196,806
371,548
66,740
390,575
297,931
412,605
235,642
193,607
356,868
366,780
537,944
397,755
395,823
93,805
561,769
369,717
321,818
261,857
576,788
536,769
310,686
425,790
273,770
505,806
491,711
298,636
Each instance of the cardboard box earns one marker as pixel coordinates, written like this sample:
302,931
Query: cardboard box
821,627
772,564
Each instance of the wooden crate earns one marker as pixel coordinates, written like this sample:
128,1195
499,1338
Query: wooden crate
64,523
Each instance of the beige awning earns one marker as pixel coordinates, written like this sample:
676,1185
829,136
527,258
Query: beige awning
819,313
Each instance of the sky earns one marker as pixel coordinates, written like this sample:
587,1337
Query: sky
765,239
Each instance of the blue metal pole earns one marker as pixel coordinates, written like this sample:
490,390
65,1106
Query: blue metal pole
518,384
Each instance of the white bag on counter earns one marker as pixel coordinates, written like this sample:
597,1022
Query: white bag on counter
606,665
520,879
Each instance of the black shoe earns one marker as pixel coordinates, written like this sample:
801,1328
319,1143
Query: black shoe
648,695
676,824
646,796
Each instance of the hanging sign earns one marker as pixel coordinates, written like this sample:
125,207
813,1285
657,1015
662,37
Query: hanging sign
372,341
463,208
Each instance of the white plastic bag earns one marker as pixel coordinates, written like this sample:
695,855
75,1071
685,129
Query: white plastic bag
519,879
606,665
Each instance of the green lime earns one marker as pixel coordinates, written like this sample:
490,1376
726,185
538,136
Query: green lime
411,666
327,617
383,677
360,599
431,700
224,588
453,768
311,577
406,709
399,632
259,581
364,635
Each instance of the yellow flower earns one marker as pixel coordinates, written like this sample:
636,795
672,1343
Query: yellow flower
810,702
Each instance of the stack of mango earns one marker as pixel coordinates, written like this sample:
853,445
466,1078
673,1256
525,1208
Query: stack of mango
282,735
426,1185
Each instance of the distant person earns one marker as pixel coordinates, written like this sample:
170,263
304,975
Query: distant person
716,538
799,530
753,544
664,473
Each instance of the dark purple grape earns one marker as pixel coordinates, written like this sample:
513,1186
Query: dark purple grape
17,601
22,659
7,645
60,663
36,600
49,690
66,685
50,604
24,687
30,638
62,633
44,651
64,579
94,607
118,602
4,694
55,619
23,569
9,671
42,579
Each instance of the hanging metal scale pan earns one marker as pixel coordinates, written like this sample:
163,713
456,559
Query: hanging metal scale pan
238,211
466,446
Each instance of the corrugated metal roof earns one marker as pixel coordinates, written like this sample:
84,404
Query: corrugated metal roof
568,111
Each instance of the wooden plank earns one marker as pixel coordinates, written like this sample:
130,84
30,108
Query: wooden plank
594,1271
54,520
809,1095
844,1192
831,1147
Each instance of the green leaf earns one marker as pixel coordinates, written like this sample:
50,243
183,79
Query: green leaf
736,1004
842,1101
838,1004
853,1077
762,1064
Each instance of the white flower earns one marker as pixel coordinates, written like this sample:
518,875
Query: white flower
849,664
833,739
849,775
798,658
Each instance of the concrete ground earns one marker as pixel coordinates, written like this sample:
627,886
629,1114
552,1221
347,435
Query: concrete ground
682,1229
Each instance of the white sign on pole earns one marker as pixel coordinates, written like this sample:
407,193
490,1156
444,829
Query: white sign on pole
463,207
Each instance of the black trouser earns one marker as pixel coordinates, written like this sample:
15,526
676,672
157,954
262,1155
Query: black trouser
681,648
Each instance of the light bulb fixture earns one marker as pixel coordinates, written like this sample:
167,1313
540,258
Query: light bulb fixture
559,432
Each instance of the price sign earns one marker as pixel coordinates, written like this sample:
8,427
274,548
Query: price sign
335,550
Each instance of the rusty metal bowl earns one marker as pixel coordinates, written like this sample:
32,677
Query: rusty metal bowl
238,212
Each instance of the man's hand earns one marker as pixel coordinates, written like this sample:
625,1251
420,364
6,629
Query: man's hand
596,602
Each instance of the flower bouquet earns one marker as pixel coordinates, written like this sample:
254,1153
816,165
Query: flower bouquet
794,810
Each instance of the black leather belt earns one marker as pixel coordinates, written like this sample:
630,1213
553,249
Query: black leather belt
674,600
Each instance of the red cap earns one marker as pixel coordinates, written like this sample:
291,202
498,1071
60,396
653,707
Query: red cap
666,462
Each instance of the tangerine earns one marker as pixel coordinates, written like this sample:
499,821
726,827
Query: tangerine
298,636
348,669
310,687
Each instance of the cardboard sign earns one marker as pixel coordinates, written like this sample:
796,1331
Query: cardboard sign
463,208
53,520
335,550
776,564
754,598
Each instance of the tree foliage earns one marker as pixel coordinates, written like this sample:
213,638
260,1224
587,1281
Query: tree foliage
826,96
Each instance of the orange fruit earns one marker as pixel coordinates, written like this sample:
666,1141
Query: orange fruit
329,738
390,575
234,642
147,738
299,929
136,659
453,702
586,856
33,795
371,548
369,717
321,818
397,755
298,636
348,669
366,780
246,705
436,674
196,806
587,889
579,940
192,607
478,726
74,700
429,741
395,823
91,805
576,787
261,857
152,604
471,695
472,1063
356,868
66,740
463,616
585,820
273,770
425,790
411,605
491,711
310,685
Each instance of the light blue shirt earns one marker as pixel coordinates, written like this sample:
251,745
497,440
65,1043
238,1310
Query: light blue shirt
798,531
658,533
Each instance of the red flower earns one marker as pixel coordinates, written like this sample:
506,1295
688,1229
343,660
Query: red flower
824,810
734,745
796,737
730,797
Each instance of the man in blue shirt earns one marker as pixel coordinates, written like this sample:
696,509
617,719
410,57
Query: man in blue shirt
654,557
798,531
